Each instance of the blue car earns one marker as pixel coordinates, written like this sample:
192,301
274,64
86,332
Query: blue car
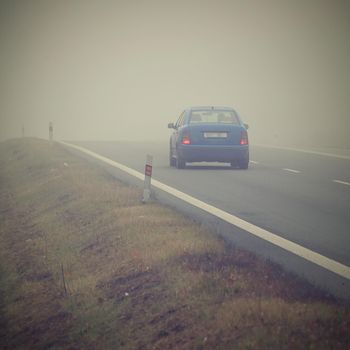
209,134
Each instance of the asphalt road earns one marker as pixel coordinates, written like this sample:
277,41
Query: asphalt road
303,197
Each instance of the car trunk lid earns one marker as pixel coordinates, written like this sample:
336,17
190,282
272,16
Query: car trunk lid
207,134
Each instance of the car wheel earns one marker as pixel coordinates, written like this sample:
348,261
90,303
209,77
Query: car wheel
243,164
180,163
172,160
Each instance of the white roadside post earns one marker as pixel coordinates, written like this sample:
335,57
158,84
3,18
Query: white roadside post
148,177
51,132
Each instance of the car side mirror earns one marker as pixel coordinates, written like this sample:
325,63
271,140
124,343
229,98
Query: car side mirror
171,126
246,126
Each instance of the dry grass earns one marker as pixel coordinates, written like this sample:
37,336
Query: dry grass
135,276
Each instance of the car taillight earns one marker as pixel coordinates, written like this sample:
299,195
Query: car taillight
244,138
186,139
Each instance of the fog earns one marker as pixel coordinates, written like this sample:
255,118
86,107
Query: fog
121,70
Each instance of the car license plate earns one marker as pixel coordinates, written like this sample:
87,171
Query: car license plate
215,135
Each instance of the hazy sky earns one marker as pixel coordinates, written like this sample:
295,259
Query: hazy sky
109,70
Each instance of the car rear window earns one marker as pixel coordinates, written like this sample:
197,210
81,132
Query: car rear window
213,117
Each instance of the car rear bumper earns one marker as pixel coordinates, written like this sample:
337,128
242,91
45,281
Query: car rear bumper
196,153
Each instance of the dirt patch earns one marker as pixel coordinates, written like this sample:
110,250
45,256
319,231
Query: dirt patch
270,278
137,285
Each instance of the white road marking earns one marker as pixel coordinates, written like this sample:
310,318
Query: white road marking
341,156
342,182
307,254
291,170
253,162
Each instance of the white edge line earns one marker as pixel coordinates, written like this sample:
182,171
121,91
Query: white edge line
342,182
253,162
106,160
291,170
316,258
305,151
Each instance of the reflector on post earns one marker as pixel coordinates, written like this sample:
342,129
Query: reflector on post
148,177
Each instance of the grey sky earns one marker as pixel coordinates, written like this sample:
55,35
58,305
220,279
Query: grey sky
109,70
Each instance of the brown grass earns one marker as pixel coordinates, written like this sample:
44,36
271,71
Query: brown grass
136,276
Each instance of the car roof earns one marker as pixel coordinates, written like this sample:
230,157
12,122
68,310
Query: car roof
201,108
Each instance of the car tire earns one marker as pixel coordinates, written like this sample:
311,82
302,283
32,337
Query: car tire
172,160
243,164
180,163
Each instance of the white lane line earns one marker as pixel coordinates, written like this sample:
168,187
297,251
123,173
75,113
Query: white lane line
342,182
291,170
307,254
306,151
253,162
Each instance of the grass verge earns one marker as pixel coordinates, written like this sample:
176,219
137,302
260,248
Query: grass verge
85,265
